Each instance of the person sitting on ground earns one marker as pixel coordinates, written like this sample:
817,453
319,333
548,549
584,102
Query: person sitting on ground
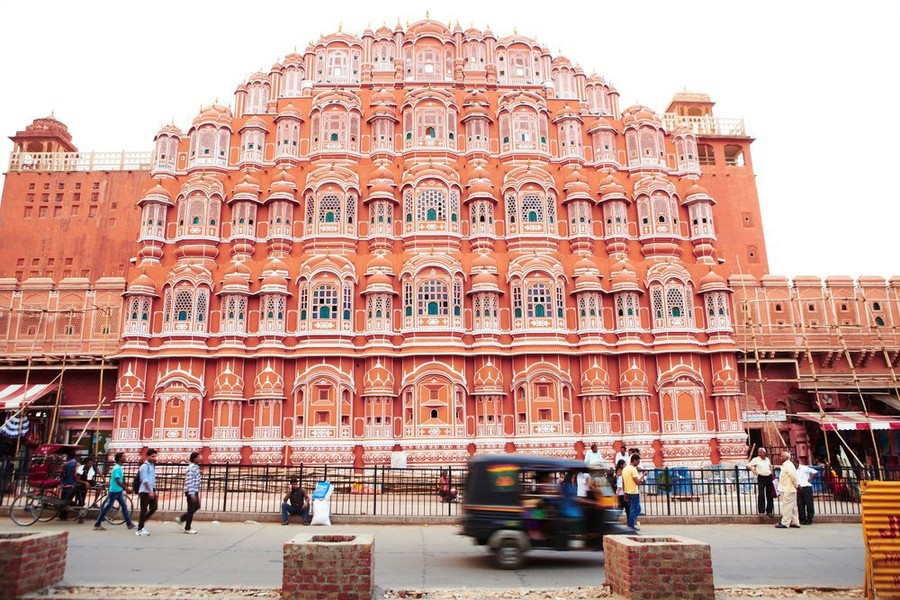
447,493
295,502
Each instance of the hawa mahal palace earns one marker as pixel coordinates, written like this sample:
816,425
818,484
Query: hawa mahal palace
429,240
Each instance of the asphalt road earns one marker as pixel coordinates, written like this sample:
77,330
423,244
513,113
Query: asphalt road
423,557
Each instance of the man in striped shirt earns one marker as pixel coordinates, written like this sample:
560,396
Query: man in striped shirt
191,492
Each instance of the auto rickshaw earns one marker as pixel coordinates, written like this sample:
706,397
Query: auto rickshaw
514,503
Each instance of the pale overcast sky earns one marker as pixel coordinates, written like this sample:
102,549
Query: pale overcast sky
816,82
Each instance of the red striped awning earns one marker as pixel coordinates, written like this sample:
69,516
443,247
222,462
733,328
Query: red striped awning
17,395
834,421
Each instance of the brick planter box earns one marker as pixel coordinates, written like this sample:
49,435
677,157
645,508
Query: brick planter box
658,567
329,566
31,561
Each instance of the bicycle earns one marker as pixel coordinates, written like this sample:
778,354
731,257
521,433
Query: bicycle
114,515
43,500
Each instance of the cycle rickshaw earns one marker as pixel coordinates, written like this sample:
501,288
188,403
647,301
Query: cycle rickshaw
42,500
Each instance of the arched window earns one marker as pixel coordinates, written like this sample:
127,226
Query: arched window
879,322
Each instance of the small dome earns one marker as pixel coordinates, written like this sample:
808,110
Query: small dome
484,262
378,381
293,59
712,282
384,31
624,278
595,381
283,186
216,114
170,131
228,385
379,283
383,97
277,266
142,285
246,189
697,193
380,263
576,186
633,381
484,282
428,27
254,123
602,123
488,380
289,112
273,283
268,384
130,387
726,382
611,189
157,194
635,115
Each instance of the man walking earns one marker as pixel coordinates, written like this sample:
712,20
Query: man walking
762,467
787,485
191,492
147,491
116,489
805,475
296,502
631,477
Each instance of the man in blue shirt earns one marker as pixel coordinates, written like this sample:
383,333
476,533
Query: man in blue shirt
147,491
116,490
67,484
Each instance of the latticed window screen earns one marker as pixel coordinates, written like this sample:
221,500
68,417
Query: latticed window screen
408,205
304,301
69,321
348,301
310,209
202,305
539,300
184,305
457,297
656,300
325,302
433,298
432,205
517,299
329,209
351,209
532,209
560,299
106,319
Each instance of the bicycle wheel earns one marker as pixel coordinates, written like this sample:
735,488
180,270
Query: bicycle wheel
49,508
115,516
25,510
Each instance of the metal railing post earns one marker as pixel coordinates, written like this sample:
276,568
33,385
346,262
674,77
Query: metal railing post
737,486
225,491
669,492
375,492
449,487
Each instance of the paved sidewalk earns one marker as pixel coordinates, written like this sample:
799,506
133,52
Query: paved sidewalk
422,557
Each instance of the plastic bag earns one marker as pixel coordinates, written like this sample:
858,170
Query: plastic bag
321,512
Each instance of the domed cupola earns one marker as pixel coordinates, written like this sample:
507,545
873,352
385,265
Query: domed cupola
268,385
253,142
379,294
287,135
228,386
595,381
130,387
633,381
488,380
165,153
579,204
210,136
615,216
378,381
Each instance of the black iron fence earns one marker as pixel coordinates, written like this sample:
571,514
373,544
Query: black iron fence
428,492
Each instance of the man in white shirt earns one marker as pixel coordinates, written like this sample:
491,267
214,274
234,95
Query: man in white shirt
621,455
592,458
805,475
787,485
761,466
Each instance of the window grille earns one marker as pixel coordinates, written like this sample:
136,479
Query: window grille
433,298
325,302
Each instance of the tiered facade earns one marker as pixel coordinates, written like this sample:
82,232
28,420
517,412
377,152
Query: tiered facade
434,241
438,242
